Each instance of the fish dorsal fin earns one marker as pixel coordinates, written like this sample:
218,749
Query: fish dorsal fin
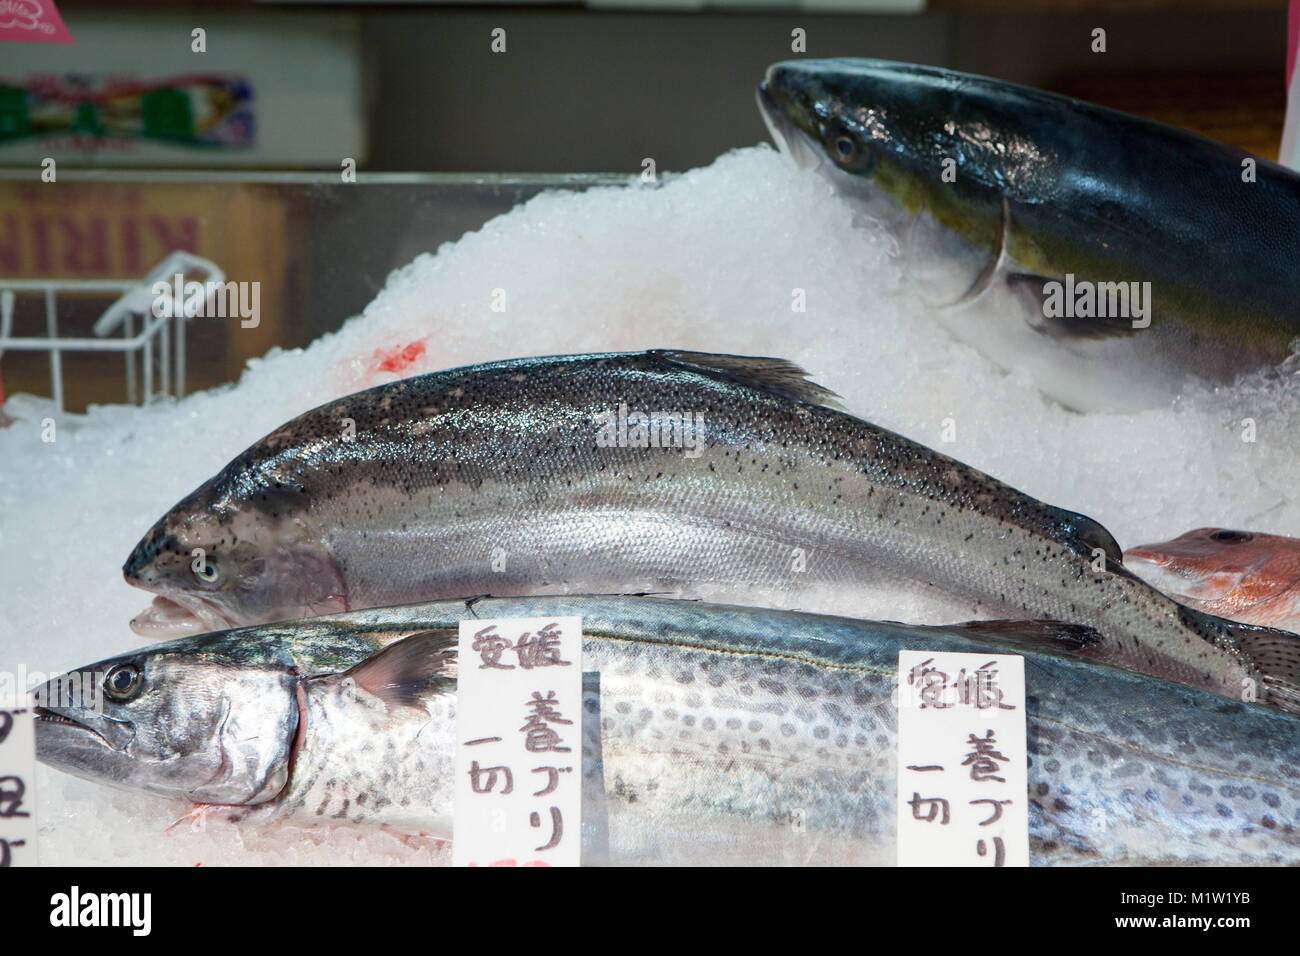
404,672
770,374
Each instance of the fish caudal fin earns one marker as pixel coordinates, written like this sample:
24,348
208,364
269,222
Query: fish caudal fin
1269,657
1273,655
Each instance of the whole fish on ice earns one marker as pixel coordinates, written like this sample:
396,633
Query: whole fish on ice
710,727
1142,254
1244,576
677,473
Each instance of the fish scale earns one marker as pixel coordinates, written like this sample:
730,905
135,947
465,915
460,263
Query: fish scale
503,488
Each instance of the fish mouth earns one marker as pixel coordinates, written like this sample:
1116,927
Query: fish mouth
170,617
1181,583
48,717
71,738
792,141
1149,555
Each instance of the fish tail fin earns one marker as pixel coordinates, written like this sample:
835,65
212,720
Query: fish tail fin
1270,657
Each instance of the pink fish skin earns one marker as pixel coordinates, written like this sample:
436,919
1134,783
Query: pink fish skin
1244,576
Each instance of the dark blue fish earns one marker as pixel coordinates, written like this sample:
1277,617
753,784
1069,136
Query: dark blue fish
987,183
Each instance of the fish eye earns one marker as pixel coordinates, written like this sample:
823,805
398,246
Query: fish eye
208,573
1232,536
847,150
123,682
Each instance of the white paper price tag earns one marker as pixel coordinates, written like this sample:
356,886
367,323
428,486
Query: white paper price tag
519,742
962,761
17,795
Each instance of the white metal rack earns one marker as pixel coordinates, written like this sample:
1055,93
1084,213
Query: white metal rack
162,325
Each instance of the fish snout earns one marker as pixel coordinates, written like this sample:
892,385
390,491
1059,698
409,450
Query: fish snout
140,566
70,717
1147,553
785,132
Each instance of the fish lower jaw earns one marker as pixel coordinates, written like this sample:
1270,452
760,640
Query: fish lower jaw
167,618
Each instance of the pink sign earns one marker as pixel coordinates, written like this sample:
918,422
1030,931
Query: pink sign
32,21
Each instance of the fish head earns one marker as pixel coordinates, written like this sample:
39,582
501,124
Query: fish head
1214,563
850,115
201,718
915,151
216,561
903,125
1204,546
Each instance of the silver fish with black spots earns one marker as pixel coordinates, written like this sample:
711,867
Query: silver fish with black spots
711,735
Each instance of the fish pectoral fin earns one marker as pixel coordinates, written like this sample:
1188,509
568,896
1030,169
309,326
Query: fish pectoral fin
196,817
994,262
1042,634
403,672
1058,319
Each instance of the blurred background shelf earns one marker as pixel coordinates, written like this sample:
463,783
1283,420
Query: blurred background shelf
319,249
402,87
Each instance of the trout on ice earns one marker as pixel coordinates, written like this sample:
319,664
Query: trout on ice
678,473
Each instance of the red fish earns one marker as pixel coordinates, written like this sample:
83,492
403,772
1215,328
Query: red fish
1241,575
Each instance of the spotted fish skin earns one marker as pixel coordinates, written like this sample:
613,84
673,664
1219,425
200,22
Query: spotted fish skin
493,479
795,714
365,761
737,735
